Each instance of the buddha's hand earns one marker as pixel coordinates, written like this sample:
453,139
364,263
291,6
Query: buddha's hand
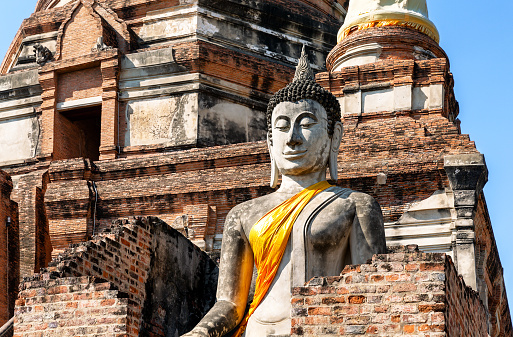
197,332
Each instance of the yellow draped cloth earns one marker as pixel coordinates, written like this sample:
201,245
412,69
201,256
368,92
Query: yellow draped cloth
268,239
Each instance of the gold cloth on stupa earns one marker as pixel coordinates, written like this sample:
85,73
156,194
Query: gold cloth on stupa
363,14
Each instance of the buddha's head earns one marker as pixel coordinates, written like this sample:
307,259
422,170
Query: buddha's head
303,127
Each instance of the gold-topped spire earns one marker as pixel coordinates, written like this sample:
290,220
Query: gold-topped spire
363,14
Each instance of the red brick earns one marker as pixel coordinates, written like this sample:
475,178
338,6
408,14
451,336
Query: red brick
431,307
322,311
356,299
432,267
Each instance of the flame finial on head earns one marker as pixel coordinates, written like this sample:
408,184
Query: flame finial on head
303,70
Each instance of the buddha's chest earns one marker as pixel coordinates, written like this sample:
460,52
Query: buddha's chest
321,239
328,229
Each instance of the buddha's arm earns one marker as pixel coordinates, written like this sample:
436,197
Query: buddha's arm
368,233
235,271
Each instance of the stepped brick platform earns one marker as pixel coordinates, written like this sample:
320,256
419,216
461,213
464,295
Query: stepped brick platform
402,293
138,277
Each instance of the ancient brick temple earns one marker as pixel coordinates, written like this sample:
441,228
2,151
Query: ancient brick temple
156,108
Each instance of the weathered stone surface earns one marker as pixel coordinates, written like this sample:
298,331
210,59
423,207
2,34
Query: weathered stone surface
224,122
466,172
162,120
20,130
427,223
180,287
143,272
467,175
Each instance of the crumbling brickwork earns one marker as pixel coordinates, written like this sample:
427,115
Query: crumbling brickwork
169,283
35,246
70,306
403,293
395,42
64,232
490,274
465,313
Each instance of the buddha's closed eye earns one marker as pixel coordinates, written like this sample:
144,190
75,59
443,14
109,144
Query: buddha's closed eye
282,124
307,122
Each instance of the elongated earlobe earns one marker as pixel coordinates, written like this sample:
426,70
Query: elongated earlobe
334,148
333,165
274,173
274,167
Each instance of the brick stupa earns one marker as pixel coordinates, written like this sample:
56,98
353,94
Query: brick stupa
155,108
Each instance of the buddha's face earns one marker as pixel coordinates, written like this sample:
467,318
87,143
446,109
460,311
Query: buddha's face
300,141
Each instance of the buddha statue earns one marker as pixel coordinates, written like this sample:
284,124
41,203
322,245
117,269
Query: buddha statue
306,228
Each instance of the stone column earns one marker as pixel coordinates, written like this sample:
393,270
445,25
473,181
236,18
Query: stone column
109,118
34,240
48,81
467,174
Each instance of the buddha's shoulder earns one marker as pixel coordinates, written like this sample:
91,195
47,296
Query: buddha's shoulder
254,207
336,197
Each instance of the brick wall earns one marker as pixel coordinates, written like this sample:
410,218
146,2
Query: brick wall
43,253
170,283
70,138
407,146
399,43
403,293
465,314
68,187
166,184
79,84
72,306
35,245
82,31
9,249
490,273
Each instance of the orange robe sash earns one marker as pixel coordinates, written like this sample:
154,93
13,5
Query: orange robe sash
268,239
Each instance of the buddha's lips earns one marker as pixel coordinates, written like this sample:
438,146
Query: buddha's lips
294,154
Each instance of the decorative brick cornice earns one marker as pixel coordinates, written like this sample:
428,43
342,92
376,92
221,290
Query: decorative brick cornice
395,73
395,43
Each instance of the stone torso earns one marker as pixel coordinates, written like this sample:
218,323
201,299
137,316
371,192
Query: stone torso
322,229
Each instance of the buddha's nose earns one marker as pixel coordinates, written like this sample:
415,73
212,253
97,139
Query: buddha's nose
294,137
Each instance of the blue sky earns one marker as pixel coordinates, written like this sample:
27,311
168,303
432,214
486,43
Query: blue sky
479,42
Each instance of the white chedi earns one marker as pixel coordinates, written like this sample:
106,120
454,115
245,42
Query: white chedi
364,14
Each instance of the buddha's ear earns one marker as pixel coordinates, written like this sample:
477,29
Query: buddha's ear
274,167
334,148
